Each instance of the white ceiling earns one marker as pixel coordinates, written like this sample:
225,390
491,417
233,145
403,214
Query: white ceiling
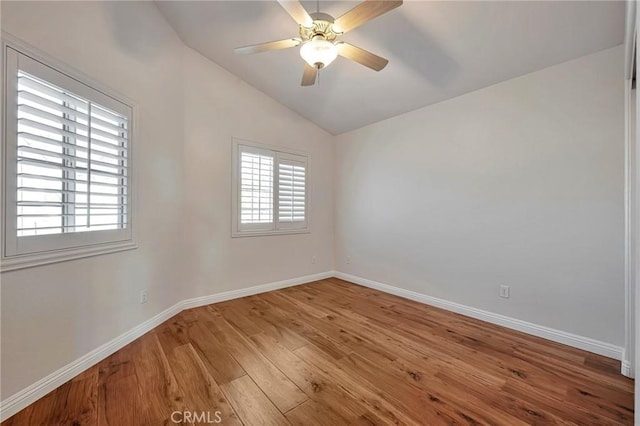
436,50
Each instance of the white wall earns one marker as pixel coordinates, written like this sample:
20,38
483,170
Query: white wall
53,314
188,110
520,183
219,106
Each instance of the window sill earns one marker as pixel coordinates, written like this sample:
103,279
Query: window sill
28,261
240,234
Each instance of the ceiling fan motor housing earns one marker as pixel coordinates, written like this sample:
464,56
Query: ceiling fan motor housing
322,26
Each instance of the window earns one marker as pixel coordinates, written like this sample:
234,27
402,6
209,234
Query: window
67,186
270,190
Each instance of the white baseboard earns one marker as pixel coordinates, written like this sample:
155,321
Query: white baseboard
30,394
243,292
626,366
580,342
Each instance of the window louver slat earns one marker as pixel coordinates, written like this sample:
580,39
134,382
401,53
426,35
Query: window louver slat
72,158
40,114
49,141
61,203
58,179
37,228
34,127
65,144
39,88
56,166
30,98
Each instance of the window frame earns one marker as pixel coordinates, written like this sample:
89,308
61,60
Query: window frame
28,251
273,228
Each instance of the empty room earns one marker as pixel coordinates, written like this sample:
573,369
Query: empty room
316,212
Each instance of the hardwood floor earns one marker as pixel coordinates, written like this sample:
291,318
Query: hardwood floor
332,353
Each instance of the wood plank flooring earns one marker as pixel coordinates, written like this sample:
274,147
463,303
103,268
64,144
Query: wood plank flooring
332,353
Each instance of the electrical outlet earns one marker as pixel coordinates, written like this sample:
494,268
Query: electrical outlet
144,296
313,260
348,259
504,291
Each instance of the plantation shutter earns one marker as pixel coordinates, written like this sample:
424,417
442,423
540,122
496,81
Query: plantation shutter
269,191
256,188
72,163
292,191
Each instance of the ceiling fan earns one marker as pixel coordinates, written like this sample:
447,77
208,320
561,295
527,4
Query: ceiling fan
319,34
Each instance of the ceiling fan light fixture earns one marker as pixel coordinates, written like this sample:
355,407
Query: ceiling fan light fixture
320,34
319,52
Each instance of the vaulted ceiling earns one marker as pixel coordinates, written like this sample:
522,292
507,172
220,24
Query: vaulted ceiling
436,50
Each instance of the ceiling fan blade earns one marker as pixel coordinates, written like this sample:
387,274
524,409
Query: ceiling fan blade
297,12
361,56
363,13
309,75
265,47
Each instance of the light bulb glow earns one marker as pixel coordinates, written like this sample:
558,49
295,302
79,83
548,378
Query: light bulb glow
319,52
